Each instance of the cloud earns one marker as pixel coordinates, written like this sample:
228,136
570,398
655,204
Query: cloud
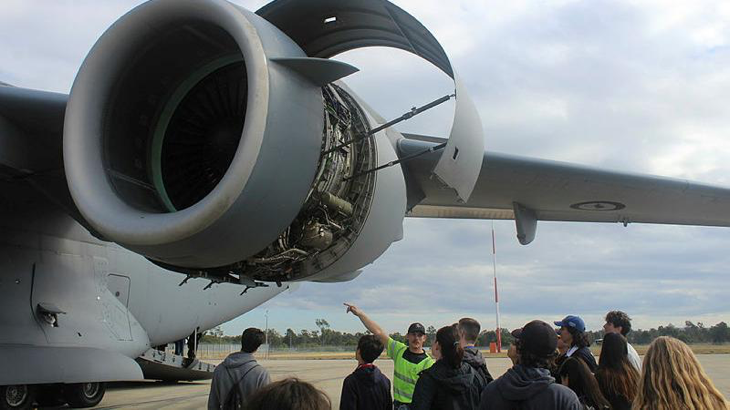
634,87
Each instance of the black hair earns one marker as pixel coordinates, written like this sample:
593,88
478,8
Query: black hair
470,328
530,359
614,351
580,339
615,374
370,348
618,318
251,339
288,394
451,350
583,383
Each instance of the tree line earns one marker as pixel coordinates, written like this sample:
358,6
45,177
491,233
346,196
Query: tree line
324,335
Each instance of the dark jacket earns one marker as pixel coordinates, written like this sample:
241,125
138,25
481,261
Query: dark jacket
585,354
247,373
473,357
528,388
618,401
366,388
444,388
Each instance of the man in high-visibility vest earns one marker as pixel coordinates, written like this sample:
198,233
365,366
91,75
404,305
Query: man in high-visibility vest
408,360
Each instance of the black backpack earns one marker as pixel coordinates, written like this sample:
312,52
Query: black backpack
234,399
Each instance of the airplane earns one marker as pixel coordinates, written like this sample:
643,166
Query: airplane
209,157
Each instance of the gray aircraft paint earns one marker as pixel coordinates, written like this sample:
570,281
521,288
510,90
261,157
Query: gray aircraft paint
48,258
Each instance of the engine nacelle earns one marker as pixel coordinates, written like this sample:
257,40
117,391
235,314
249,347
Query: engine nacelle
198,134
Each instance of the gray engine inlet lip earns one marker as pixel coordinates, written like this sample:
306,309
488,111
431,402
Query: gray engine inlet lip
82,147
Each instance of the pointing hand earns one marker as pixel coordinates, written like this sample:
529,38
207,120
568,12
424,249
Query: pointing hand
352,308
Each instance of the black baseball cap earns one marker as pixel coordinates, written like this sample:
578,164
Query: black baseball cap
416,328
537,337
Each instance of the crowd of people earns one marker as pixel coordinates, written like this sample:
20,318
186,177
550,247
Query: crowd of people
551,369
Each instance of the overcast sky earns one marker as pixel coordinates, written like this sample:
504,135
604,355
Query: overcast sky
632,87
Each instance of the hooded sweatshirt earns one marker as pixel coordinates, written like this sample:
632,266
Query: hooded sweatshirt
528,388
445,388
365,389
247,373
474,358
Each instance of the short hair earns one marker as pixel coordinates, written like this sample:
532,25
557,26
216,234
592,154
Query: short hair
618,318
251,339
470,328
370,348
289,394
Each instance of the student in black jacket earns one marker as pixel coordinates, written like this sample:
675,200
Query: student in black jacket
451,383
572,332
366,388
528,384
469,332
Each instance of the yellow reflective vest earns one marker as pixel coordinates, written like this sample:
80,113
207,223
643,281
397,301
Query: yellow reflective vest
406,373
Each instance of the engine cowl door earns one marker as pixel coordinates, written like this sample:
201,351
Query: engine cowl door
325,28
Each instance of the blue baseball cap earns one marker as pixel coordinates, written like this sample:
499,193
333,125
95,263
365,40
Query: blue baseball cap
572,321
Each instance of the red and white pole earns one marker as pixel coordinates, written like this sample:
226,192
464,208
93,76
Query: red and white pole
496,289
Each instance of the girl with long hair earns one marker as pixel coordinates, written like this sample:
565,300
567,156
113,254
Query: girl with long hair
617,378
672,378
575,374
450,383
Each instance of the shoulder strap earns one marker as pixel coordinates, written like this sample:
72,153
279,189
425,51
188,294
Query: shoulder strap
236,383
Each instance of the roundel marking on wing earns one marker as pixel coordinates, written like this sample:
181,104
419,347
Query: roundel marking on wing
599,206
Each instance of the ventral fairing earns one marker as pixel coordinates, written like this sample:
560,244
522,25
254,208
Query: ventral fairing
208,157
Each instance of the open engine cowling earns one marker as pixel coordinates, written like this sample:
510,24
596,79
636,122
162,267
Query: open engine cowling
193,136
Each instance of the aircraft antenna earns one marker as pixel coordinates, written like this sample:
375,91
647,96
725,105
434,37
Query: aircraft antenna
496,289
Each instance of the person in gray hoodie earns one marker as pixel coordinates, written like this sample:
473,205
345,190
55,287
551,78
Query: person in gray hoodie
239,370
451,383
528,384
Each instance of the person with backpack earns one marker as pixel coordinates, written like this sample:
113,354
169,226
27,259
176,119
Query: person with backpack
469,332
528,384
451,383
239,375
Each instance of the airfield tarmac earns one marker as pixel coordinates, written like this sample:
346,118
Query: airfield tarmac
327,375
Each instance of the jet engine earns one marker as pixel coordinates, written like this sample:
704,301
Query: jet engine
195,135
200,135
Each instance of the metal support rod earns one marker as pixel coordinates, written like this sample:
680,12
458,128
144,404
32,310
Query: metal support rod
398,161
410,114
187,278
496,289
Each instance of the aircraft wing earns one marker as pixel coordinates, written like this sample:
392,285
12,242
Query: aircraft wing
529,189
